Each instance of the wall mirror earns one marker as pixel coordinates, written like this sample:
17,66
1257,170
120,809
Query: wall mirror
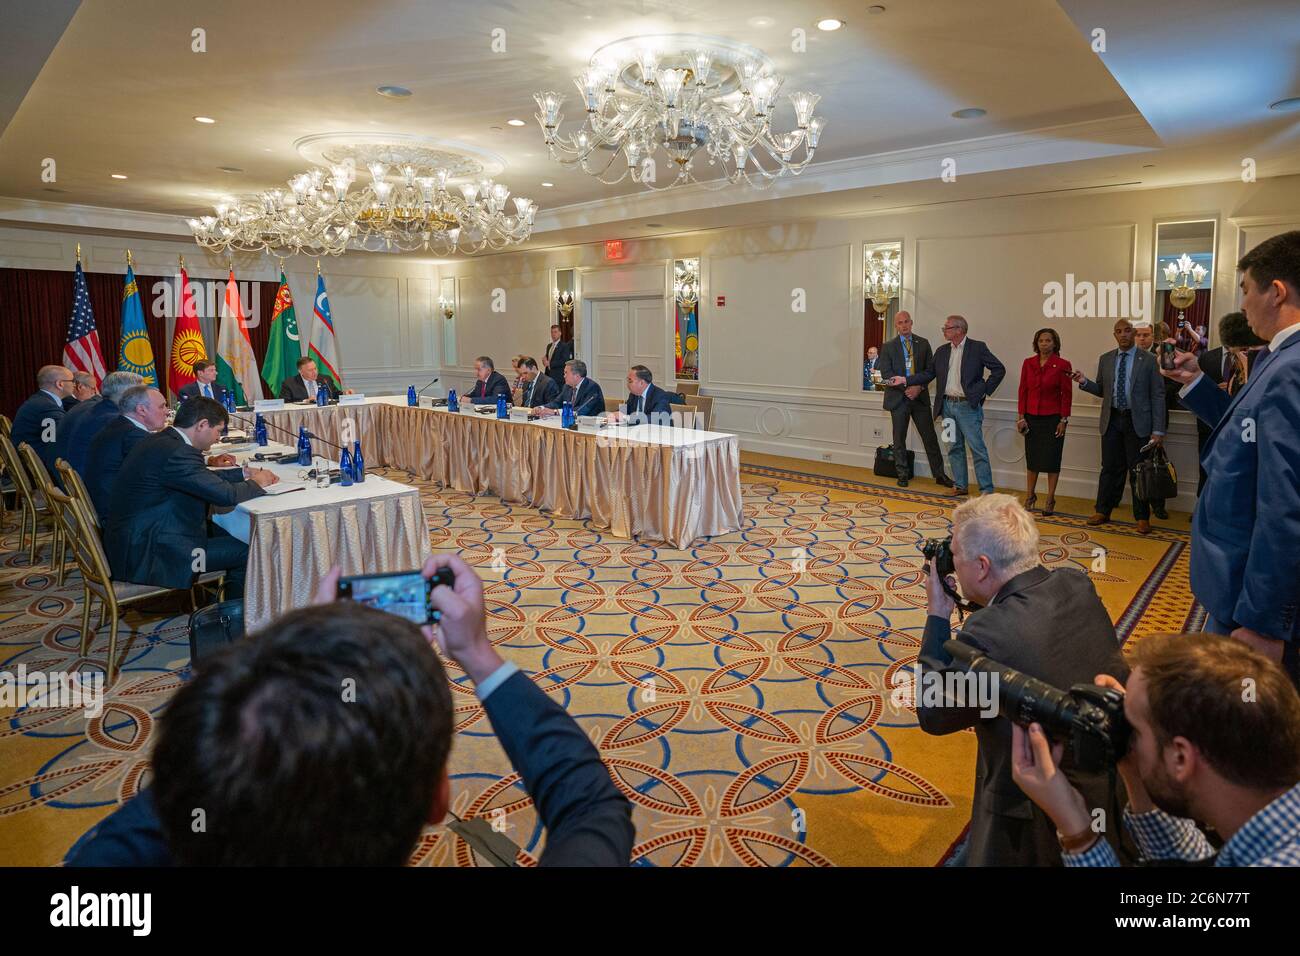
686,292
1184,282
882,281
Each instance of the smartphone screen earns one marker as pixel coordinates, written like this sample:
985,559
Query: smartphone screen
405,594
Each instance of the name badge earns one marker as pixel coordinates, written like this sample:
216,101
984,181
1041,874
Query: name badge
355,399
268,405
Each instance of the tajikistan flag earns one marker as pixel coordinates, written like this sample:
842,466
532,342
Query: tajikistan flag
322,347
236,365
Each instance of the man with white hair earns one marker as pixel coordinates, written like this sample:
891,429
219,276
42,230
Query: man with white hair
1050,625
88,419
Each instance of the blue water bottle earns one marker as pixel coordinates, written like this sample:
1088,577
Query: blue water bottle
411,398
358,464
453,405
259,430
322,394
304,446
567,418
345,468
503,410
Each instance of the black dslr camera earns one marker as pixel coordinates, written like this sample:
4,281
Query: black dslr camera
939,550
1087,717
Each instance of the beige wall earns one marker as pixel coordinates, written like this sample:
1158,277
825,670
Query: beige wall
790,382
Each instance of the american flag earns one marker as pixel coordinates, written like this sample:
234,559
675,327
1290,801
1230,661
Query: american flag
82,352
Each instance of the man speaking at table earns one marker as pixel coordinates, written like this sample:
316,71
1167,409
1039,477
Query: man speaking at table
645,402
158,531
303,386
490,384
536,388
584,394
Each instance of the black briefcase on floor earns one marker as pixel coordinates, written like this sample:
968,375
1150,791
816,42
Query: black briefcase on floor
214,627
886,467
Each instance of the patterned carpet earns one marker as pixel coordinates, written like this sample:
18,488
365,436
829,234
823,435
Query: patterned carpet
739,691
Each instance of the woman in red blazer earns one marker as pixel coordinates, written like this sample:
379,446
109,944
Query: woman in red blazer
1044,412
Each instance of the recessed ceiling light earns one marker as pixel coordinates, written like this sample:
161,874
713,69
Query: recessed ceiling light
515,122
875,8
393,92
230,169
548,185
496,129
1288,105
829,24
971,112
204,119
117,175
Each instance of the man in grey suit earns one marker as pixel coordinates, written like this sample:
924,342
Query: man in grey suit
1050,625
904,355
1132,397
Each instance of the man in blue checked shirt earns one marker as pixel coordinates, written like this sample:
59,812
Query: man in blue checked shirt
1216,741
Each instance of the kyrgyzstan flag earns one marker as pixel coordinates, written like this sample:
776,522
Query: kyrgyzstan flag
187,341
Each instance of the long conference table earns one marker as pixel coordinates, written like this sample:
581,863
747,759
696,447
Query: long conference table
648,482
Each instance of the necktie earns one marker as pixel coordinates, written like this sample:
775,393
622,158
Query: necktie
207,390
1121,382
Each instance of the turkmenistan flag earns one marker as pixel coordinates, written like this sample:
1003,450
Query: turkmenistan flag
136,352
236,364
284,349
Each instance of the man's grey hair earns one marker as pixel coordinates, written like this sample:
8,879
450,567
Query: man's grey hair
579,367
134,398
486,362
115,383
998,527
84,379
960,322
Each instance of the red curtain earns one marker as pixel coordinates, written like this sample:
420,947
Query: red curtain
873,328
35,305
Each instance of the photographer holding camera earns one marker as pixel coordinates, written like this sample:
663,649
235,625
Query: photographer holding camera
1215,738
1051,625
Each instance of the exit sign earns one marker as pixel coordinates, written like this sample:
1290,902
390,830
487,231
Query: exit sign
613,248
722,301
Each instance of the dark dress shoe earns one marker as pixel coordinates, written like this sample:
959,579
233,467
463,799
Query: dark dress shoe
902,482
1098,518
943,481
1160,513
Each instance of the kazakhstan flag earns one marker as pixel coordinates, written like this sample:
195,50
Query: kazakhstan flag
136,354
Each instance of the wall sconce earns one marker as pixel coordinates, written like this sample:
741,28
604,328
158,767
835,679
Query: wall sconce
448,309
564,303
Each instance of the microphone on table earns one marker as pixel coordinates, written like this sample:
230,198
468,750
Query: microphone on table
284,431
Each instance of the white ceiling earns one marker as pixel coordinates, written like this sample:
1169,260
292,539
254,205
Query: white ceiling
1180,96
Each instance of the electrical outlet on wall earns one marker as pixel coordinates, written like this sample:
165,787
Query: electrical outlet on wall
877,433
826,456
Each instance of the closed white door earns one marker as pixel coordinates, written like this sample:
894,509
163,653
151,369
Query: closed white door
626,332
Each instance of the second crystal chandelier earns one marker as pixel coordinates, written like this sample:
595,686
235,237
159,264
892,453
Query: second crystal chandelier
678,108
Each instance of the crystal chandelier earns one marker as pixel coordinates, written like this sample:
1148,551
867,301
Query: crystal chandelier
684,98
880,280
402,209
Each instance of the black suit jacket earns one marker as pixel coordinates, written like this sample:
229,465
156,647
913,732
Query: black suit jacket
70,402
1050,625
158,509
975,358
1211,363
293,389
540,391
79,429
589,400
588,822
104,460
656,408
893,361
557,353
30,423
218,392
486,392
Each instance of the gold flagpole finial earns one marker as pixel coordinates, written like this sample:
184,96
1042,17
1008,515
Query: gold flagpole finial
181,260
128,259
78,252
318,267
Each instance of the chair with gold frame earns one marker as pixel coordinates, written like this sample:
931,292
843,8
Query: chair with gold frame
27,498
41,480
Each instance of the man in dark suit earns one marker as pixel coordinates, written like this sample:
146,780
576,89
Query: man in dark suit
490,384
1050,625
535,389
38,419
83,390
302,387
557,353
1247,518
311,769
89,418
1132,415
646,402
1228,366
904,355
143,413
868,367
958,367
157,532
205,383
585,395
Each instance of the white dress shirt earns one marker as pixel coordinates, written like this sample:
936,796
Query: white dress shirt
952,388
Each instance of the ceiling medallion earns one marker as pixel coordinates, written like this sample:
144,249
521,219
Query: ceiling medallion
678,102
